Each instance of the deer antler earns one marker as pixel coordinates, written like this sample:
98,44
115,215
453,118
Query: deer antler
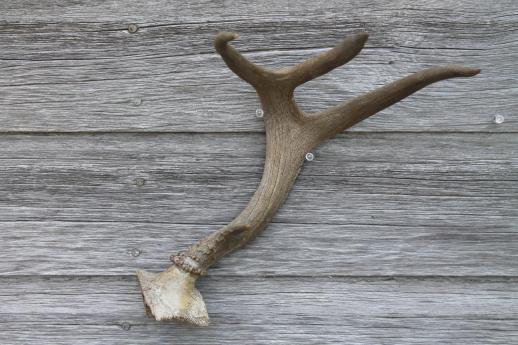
290,134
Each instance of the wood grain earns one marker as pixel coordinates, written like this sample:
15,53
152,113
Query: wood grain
370,204
280,310
207,11
85,72
93,310
285,249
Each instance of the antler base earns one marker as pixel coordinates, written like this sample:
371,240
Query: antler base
171,295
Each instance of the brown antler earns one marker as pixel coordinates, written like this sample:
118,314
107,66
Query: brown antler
290,134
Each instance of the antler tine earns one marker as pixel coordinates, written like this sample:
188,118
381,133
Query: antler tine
322,63
241,66
336,119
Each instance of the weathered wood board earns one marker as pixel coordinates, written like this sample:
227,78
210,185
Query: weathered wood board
100,310
75,67
369,204
117,149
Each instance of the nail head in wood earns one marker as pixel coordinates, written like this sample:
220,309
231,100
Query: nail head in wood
499,119
140,181
132,28
134,252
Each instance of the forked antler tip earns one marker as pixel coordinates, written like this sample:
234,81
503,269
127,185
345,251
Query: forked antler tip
222,38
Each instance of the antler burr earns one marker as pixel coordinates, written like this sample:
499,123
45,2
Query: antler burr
290,134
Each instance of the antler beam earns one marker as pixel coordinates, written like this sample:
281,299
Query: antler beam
290,134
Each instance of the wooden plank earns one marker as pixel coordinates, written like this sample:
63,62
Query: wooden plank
281,310
111,248
377,204
85,72
206,11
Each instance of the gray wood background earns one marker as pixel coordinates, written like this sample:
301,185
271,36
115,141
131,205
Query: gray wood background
119,148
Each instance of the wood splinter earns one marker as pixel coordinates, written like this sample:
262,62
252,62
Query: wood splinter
290,134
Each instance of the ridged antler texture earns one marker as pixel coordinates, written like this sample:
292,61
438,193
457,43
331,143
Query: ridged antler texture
290,134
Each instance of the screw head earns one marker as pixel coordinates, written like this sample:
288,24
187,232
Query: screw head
259,112
134,252
126,326
136,101
310,156
499,119
132,28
